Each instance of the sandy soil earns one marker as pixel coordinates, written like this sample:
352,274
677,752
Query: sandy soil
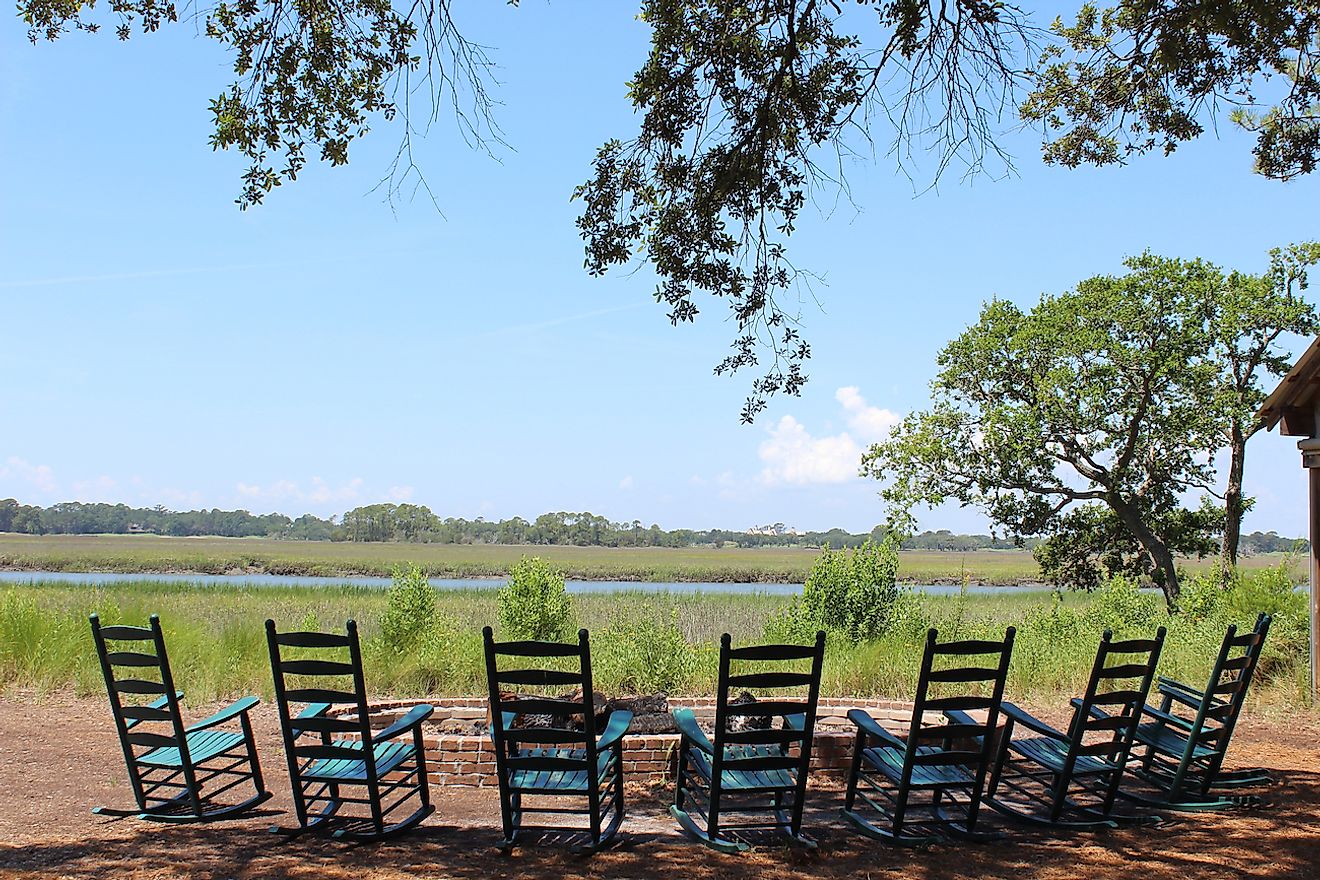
59,758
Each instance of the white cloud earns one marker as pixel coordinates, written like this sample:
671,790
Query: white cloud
871,423
793,456
626,483
400,494
22,471
319,492
100,489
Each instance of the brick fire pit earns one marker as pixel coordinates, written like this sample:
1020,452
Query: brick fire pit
469,760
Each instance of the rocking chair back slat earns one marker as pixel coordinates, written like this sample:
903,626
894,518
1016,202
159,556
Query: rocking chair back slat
132,658
543,677
557,708
127,633
769,680
311,640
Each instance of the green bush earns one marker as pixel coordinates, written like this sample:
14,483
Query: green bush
1120,606
643,655
534,604
410,610
851,592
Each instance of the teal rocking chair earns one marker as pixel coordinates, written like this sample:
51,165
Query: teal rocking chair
567,766
176,770
335,759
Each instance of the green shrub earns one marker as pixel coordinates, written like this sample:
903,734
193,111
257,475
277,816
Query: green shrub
1120,606
643,655
410,610
534,604
850,592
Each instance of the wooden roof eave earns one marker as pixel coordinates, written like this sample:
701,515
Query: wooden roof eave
1294,400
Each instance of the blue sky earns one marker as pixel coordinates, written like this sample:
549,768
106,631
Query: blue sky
326,350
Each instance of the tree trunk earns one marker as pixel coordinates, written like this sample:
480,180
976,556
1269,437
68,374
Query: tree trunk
1228,554
1158,550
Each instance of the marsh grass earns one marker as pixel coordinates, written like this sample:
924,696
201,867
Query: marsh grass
128,554
641,641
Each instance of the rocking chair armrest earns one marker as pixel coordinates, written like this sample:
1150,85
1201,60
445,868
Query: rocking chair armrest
1029,721
158,703
615,728
686,722
416,715
1176,690
228,713
868,725
312,710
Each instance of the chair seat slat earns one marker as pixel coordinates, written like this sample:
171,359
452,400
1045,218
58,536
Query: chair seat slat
545,735
544,762
946,758
327,753
762,762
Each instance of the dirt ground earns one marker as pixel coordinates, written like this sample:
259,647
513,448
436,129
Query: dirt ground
59,758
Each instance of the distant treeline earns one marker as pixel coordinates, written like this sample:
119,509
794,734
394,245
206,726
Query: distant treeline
416,523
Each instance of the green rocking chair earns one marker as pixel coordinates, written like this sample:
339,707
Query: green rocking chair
331,755
1043,776
947,752
557,759
176,771
750,768
1181,747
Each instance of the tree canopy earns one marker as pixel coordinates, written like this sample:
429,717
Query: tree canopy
748,107
1100,395
1090,418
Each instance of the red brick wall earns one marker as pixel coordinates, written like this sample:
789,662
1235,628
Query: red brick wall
454,759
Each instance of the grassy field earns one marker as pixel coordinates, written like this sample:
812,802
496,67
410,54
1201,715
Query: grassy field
641,642
130,554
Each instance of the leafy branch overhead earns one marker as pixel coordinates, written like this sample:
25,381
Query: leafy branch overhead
749,109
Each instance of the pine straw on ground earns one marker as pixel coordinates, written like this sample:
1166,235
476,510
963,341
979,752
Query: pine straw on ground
59,757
